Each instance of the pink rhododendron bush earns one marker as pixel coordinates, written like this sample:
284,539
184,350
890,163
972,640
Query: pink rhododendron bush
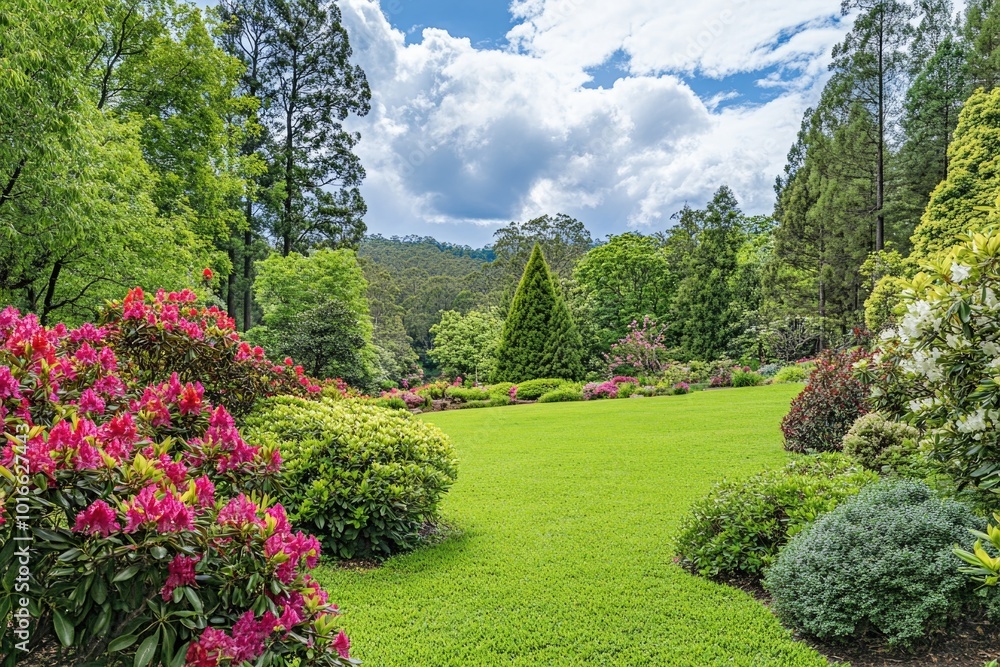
134,521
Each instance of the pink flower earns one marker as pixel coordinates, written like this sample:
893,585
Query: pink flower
168,513
98,519
343,645
9,386
205,491
91,403
240,511
180,572
86,355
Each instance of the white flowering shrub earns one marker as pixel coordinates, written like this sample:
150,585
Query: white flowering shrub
939,369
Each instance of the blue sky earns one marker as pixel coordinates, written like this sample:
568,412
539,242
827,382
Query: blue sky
616,113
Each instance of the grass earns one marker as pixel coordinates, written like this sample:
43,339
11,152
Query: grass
566,513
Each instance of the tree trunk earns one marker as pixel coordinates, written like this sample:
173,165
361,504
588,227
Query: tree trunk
880,167
231,282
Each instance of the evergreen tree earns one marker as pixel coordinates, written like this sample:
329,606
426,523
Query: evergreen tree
539,338
703,318
868,67
981,31
973,178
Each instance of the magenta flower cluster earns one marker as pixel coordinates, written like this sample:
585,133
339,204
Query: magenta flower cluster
643,349
157,482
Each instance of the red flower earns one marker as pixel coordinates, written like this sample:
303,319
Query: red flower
207,275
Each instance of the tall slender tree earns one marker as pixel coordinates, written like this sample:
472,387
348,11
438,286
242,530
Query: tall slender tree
868,67
316,87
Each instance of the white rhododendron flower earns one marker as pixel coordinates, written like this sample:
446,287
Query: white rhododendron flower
960,272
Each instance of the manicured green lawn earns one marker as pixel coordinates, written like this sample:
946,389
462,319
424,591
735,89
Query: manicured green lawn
567,513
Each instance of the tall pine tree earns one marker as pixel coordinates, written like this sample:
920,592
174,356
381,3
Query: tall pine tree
540,339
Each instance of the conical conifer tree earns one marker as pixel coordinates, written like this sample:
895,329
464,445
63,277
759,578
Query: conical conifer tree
540,339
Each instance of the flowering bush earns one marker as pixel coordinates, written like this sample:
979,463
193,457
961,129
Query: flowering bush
681,388
157,336
411,400
363,478
622,379
723,377
833,399
596,390
643,349
151,541
940,369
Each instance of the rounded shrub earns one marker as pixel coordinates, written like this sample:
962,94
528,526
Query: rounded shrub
742,378
740,526
500,389
872,436
464,395
566,393
532,390
796,373
364,479
833,399
880,564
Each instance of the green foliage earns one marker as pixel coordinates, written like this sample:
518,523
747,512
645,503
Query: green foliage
539,338
533,389
747,379
741,525
973,179
628,278
794,373
872,436
316,305
363,478
464,395
500,389
86,140
880,564
703,317
465,345
327,341
564,394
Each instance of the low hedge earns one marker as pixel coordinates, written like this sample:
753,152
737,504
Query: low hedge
740,526
465,395
564,394
532,390
364,479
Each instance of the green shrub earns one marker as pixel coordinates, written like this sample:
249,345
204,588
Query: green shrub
391,402
881,564
747,379
500,389
433,391
566,393
463,395
738,528
500,401
533,389
362,478
872,435
626,389
797,373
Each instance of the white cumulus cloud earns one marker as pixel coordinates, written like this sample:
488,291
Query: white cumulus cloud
462,139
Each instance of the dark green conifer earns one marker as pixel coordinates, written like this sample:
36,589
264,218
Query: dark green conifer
540,339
